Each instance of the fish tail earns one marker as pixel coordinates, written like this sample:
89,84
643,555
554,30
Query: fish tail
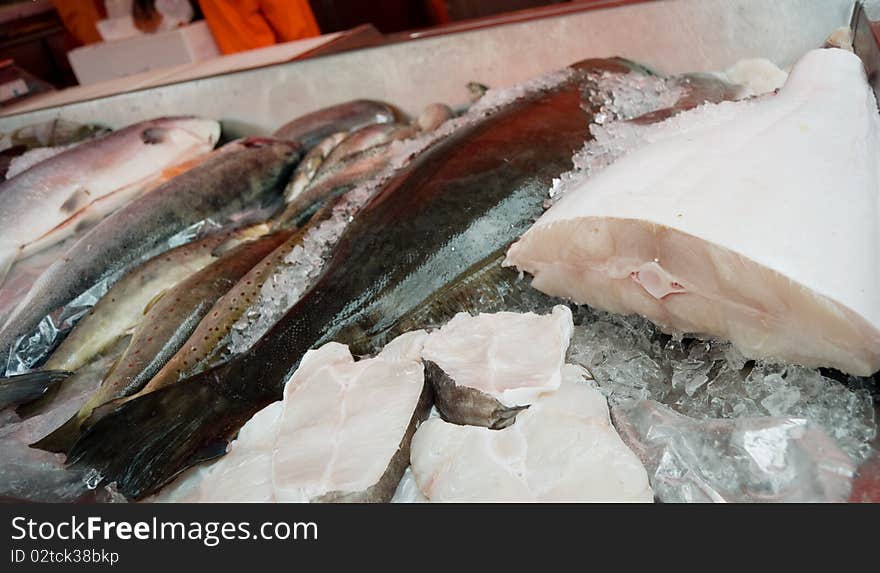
7,258
62,438
23,388
145,442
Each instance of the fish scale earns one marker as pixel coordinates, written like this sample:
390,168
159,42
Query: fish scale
426,225
253,171
165,327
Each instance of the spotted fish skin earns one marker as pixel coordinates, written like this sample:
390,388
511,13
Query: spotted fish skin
254,170
165,327
122,308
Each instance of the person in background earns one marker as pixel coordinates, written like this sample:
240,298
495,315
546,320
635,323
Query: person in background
80,18
239,25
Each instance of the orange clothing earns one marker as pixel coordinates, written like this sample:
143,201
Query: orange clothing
80,18
239,25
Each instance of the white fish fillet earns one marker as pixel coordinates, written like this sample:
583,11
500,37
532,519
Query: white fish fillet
512,357
562,448
337,431
755,221
45,203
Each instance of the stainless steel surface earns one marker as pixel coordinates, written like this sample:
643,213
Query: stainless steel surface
672,36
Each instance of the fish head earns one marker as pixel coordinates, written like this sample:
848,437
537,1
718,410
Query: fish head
182,131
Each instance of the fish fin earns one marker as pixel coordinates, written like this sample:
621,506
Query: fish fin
106,408
76,201
7,259
153,301
23,388
62,438
145,442
153,135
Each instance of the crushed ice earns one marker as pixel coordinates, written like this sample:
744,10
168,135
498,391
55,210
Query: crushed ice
632,360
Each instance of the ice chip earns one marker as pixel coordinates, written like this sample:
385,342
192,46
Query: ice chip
751,459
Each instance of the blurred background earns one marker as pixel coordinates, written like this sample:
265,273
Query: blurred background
48,45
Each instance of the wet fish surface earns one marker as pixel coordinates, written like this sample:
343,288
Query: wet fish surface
167,324
462,199
43,205
308,130
225,184
484,369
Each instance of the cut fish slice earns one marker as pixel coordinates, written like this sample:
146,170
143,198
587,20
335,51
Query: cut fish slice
562,448
486,368
341,433
755,221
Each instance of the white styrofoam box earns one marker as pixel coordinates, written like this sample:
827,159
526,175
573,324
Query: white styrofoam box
113,29
108,60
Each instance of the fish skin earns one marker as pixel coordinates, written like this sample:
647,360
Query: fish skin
123,306
26,387
222,185
341,177
165,327
373,279
33,475
310,164
433,116
204,345
467,406
308,130
367,138
40,203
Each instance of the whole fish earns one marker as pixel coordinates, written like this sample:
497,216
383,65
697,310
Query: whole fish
122,307
44,204
307,168
166,325
205,347
369,137
24,273
308,130
334,178
457,202
224,184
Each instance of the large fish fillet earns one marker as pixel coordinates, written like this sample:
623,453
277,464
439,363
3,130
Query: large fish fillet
754,221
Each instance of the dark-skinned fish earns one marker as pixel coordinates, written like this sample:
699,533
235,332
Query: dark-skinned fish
166,325
253,170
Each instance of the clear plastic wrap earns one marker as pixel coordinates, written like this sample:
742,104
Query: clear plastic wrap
751,459
30,351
